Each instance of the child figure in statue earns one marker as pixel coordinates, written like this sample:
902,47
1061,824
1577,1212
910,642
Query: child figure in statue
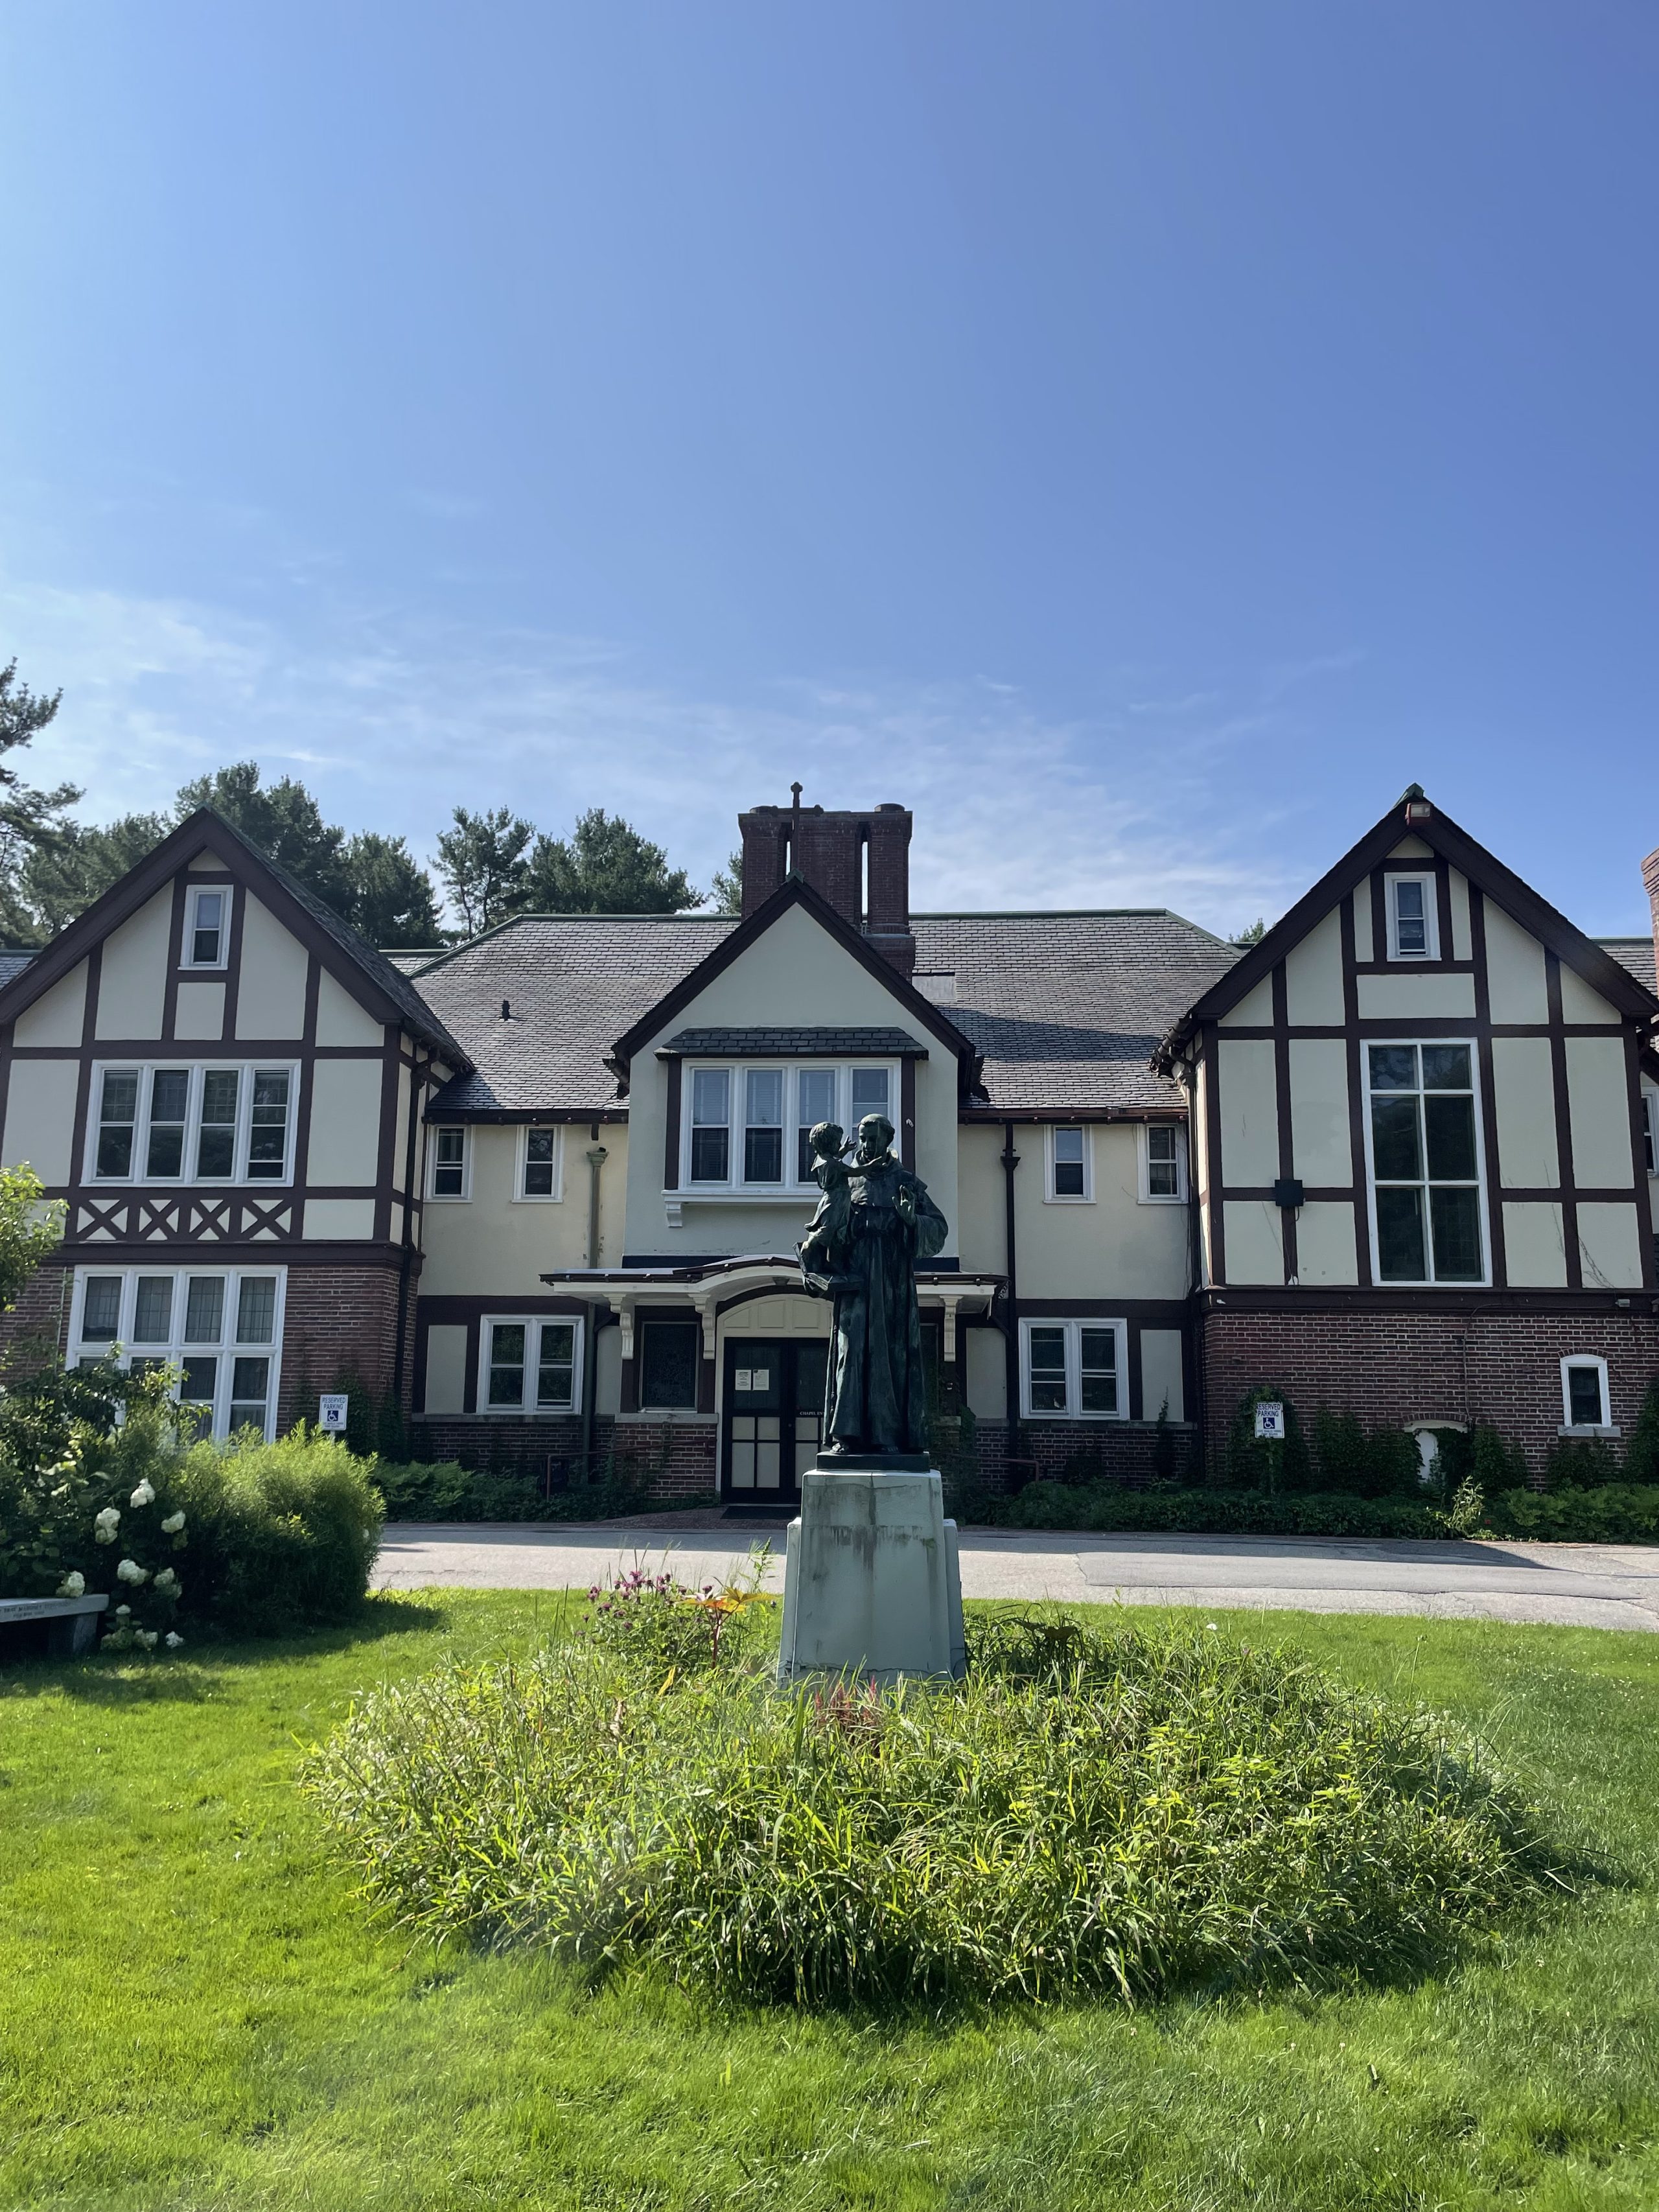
826,1240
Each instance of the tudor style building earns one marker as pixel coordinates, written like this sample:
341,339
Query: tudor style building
543,1189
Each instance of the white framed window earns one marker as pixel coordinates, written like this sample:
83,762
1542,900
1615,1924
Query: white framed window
746,1127
1423,1146
1586,1408
207,927
1074,1371
1413,917
540,1173
449,1163
1163,1150
221,1328
530,1364
1651,1130
192,1124
1070,1164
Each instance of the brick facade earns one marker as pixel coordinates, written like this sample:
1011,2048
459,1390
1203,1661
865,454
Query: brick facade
340,1327
670,1461
1494,1363
42,1310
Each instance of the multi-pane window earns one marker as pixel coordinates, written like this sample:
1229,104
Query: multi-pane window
541,1164
763,1134
738,1132
1425,1164
1584,1393
711,1134
815,1102
1163,1157
449,1163
1068,1163
221,1330
529,1366
193,1124
1413,934
207,928
1074,1369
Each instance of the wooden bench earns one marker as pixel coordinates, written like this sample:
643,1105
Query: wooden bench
71,1622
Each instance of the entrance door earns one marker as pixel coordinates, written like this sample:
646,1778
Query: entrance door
773,1414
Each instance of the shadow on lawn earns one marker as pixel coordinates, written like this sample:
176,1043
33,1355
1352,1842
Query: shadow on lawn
127,1678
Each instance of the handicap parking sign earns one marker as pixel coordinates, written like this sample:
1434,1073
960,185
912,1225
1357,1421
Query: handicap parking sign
1270,1420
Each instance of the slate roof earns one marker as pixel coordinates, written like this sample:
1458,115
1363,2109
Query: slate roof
576,983
1635,953
13,963
1065,1007
784,1044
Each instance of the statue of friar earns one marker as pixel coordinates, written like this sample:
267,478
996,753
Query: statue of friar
873,1224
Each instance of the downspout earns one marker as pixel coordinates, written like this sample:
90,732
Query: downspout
1011,1331
406,1259
596,1159
1195,1260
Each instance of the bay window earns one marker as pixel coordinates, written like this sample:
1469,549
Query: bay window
172,1124
1423,1137
736,1137
222,1329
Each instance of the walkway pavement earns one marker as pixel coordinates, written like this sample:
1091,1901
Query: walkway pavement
1572,1585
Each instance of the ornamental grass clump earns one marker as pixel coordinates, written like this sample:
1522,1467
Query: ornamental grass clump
1118,1813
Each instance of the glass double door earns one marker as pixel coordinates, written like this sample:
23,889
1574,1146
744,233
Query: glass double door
773,1414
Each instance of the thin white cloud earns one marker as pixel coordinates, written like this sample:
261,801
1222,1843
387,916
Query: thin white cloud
392,723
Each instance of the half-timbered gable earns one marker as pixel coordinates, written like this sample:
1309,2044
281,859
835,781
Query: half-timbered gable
223,1086
1417,1105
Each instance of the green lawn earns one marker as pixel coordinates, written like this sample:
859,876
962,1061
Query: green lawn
194,2012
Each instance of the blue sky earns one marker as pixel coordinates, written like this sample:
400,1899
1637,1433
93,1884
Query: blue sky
1142,435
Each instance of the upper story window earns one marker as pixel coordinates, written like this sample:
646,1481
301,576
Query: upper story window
1425,1164
222,1331
1414,928
207,927
1162,1163
192,1124
1650,1119
451,1163
540,1163
747,1127
1071,1164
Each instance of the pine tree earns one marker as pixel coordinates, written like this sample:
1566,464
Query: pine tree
482,865
604,867
31,820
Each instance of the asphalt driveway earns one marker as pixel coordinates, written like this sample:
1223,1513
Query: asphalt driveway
1576,1585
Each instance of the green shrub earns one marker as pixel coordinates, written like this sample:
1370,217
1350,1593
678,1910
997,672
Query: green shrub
1483,1455
1616,1513
1211,1512
1117,1813
1377,1463
282,1536
445,1491
1581,1463
1252,1462
1641,1452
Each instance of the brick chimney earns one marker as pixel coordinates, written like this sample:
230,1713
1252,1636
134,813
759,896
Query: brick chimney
827,849
1651,878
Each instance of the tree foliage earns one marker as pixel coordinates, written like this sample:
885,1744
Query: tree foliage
31,818
63,878
605,866
728,885
29,1231
482,864
391,899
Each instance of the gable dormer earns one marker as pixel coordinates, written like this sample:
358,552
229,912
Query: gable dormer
793,1019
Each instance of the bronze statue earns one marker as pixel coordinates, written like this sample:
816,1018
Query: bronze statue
873,1224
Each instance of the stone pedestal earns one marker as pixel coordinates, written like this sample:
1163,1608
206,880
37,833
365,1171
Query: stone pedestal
872,1586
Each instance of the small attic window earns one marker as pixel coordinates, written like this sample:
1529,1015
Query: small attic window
207,928
1412,931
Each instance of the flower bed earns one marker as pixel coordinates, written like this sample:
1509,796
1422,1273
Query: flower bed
1119,1812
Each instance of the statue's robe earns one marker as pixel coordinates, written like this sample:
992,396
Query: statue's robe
876,1392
